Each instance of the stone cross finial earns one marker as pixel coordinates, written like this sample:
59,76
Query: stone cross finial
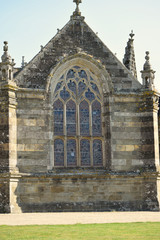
77,8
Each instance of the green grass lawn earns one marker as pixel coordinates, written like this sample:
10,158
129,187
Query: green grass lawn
118,231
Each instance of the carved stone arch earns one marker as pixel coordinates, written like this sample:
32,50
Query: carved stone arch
84,61
102,79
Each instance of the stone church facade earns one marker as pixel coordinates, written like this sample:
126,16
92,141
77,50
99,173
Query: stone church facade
78,132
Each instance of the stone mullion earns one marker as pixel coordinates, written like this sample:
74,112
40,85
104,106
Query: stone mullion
91,134
51,126
78,138
65,136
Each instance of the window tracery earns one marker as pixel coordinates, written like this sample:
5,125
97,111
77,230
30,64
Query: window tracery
77,124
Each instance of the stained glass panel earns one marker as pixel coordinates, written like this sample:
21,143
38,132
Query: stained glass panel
64,94
94,87
70,74
72,86
96,119
58,117
82,74
71,118
58,86
90,95
84,118
81,87
97,153
85,152
71,153
58,153
76,67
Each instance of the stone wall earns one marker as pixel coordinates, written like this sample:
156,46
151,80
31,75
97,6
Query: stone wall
132,133
33,133
4,131
81,192
4,193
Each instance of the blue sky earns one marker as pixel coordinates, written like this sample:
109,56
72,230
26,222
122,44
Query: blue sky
28,24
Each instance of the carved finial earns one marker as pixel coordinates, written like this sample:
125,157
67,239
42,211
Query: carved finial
148,74
6,57
5,48
147,65
132,34
147,57
77,12
23,62
129,57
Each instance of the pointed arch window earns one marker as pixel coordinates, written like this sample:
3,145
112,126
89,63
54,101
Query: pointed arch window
85,153
77,120
71,153
84,118
58,110
96,118
59,152
71,118
97,153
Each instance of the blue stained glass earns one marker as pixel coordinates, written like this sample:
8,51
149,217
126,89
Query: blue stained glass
96,119
58,153
72,86
91,78
71,118
97,153
81,88
71,153
58,86
58,117
90,95
82,74
94,87
85,152
64,94
62,77
70,74
84,118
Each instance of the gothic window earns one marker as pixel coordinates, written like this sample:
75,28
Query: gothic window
84,118
96,119
72,86
90,95
58,117
97,153
81,87
77,120
58,86
94,87
71,153
64,94
71,74
82,74
71,118
85,152
59,152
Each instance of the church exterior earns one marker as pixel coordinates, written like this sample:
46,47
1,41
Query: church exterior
78,132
